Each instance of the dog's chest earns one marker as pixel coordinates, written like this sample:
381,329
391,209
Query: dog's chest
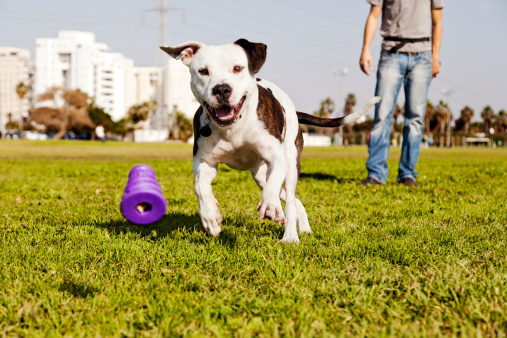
237,154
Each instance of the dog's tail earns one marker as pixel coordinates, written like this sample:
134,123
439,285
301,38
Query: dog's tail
312,120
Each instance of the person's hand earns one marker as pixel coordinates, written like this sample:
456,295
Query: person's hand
365,62
435,67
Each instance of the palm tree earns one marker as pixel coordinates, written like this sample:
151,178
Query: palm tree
466,115
487,115
440,117
428,116
327,107
397,112
501,120
21,89
350,102
141,112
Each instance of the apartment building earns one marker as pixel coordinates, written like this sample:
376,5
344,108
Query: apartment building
74,60
15,67
177,93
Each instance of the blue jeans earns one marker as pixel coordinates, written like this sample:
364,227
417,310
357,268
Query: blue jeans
414,72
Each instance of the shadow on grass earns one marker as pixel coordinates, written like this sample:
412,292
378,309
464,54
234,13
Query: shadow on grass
78,290
323,177
188,227
168,224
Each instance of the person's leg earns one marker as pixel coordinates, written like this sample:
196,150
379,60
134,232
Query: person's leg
390,74
416,95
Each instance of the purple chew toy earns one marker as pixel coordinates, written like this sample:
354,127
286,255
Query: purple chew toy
143,201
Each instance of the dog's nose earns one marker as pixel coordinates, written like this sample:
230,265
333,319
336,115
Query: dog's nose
222,91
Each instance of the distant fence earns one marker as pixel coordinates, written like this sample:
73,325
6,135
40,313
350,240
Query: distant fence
429,140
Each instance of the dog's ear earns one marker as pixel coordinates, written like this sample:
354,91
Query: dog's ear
256,53
185,51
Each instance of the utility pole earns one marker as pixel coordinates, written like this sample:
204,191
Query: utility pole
161,60
340,72
163,33
448,92
163,40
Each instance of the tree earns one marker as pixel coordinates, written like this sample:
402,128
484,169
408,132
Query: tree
501,121
327,107
141,112
397,112
185,127
428,116
440,118
487,115
69,111
350,102
365,126
99,116
463,122
476,127
21,89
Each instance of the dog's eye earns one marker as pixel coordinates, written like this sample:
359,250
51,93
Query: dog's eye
203,71
237,69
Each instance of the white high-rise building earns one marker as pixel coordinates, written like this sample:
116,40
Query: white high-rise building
148,84
129,80
15,67
169,86
75,61
177,93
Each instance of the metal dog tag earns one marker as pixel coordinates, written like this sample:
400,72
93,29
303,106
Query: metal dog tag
205,131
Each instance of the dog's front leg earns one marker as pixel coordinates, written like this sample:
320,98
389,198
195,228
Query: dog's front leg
270,205
204,174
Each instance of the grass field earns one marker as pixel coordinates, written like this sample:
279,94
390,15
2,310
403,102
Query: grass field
381,261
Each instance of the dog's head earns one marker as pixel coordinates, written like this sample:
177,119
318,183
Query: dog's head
222,77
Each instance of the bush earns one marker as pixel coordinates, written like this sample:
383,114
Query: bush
185,127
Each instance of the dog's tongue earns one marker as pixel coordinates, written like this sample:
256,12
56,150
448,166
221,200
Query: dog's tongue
224,113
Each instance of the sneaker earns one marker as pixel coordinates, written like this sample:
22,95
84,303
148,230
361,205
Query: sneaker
369,180
409,182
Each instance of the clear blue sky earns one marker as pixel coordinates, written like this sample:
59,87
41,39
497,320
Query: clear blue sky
306,40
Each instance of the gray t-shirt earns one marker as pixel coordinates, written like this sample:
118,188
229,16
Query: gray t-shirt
407,19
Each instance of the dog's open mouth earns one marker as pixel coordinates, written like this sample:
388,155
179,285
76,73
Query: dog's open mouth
225,115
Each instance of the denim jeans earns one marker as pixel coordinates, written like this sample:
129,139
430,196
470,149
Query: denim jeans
414,72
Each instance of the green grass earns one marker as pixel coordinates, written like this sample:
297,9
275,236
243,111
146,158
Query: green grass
381,261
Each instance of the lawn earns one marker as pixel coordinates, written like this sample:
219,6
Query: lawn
381,261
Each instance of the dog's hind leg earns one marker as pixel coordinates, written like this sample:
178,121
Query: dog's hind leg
259,176
291,235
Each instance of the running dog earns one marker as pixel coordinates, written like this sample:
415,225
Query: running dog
248,124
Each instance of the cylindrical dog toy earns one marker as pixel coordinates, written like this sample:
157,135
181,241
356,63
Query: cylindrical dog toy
143,201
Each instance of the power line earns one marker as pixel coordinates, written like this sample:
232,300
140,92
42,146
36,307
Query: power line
474,82
62,17
299,20
304,57
330,47
258,19
318,14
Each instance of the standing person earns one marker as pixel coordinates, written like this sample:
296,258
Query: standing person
410,56
99,132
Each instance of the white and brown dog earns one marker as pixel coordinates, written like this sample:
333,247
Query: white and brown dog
247,124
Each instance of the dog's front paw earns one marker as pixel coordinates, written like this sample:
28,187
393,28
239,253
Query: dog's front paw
290,238
212,223
272,210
